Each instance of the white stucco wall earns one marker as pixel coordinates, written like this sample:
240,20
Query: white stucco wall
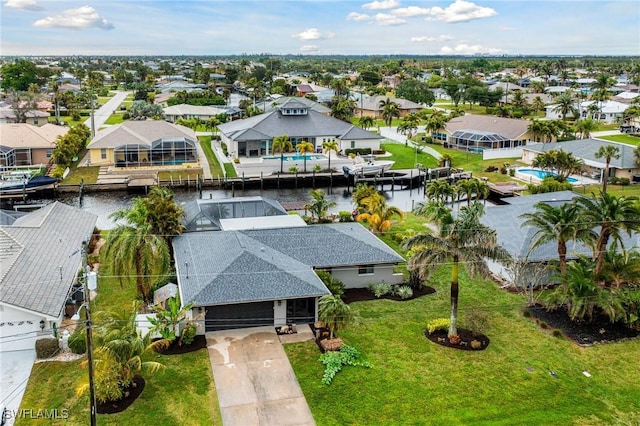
21,328
280,313
381,273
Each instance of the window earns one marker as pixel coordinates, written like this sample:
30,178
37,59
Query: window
365,270
353,144
35,121
49,152
103,153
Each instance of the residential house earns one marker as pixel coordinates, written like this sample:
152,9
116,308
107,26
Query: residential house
303,89
585,149
476,133
204,113
370,105
39,262
281,100
267,276
24,144
608,111
253,136
144,143
34,117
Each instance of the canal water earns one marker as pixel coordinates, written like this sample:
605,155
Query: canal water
103,204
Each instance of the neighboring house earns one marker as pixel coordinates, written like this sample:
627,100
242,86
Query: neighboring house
479,132
505,87
203,113
267,276
144,143
179,86
585,149
626,97
370,105
253,136
39,261
530,97
506,220
313,105
608,111
35,117
26,145
303,89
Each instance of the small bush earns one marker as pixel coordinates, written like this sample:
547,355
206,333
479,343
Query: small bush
438,324
380,289
293,169
78,342
543,324
512,172
503,170
476,344
345,216
556,333
491,169
526,313
334,361
403,292
188,334
335,286
357,151
47,347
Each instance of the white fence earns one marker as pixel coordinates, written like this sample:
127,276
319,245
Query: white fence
490,154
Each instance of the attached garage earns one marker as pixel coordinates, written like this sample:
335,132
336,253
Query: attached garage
239,315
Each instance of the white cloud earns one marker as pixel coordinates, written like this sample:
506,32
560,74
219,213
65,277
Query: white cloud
358,17
460,11
466,49
388,20
23,4
75,19
309,48
381,5
410,11
312,34
425,39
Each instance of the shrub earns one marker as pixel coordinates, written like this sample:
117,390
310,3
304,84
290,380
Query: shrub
126,116
335,286
438,324
236,160
188,334
345,216
476,344
357,151
526,313
556,333
47,347
78,342
334,361
293,169
503,170
476,320
403,291
491,169
317,168
512,172
380,289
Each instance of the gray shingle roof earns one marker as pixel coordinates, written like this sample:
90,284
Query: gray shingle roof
586,150
510,128
140,132
39,269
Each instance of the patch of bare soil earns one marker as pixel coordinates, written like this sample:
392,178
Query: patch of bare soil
466,340
599,330
362,294
199,342
131,394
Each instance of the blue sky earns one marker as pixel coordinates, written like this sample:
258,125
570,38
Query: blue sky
159,27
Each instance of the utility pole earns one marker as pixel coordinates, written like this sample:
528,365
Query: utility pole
87,306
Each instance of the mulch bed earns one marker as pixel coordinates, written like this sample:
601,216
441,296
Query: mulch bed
132,393
466,337
362,294
199,342
600,330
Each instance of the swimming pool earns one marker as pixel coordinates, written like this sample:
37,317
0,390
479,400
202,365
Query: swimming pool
541,174
297,157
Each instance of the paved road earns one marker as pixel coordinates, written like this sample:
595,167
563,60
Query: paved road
101,114
254,379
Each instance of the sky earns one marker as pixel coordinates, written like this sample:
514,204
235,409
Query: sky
323,27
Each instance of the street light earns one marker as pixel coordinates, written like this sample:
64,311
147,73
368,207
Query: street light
89,284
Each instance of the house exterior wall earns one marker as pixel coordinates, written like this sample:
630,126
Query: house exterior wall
21,328
374,144
280,313
351,277
95,157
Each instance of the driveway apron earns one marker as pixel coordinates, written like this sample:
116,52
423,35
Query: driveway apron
254,379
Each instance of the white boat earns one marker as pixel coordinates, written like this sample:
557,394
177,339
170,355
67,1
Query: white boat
367,166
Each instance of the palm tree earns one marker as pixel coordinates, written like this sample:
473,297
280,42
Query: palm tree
303,148
565,105
164,215
135,251
439,190
377,213
366,122
461,239
329,146
585,126
282,144
334,313
436,122
537,104
471,187
390,110
607,152
559,224
614,215
319,205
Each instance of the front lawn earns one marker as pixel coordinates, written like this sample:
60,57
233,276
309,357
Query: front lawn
628,139
415,381
82,174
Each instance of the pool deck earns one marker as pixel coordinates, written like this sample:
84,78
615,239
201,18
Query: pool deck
531,179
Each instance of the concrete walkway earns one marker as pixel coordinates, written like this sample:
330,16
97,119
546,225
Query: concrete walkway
15,369
254,380
101,115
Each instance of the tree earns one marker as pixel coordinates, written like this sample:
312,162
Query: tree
390,110
166,321
584,127
565,105
142,110
163,213
366,122
20,75
537,104
436,122
377,213
559,161
636,155
329,146
439,190
460,239
614,215
415,91
471,187
135,253
319,205
559,224
305,148
607,152
334,313
282,144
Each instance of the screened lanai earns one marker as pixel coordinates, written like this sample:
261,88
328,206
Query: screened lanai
7,156
477,140
163,152
205,215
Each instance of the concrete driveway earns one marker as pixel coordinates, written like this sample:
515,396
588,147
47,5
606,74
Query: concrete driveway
254,380
15,369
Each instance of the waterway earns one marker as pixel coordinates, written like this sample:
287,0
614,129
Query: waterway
103,204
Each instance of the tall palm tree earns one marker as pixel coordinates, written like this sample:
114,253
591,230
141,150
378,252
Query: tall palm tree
164,215
614,215
460,239
135,252
565,105
559,224
436,122
537,104
636,155
334,313
607,152
329,146
584,127
366,122
305,148
281,144
439,190
390,110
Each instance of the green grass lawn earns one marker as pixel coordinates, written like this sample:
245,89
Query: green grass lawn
214,164
628,139
116,118
415,381
82,174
